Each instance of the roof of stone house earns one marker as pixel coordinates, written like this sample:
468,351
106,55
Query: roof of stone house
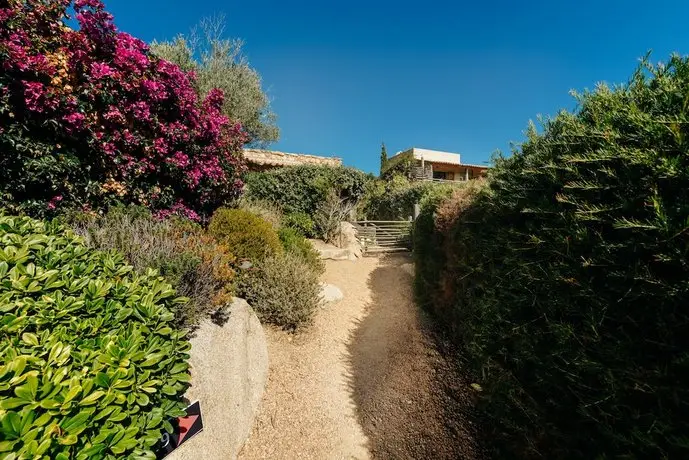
274,158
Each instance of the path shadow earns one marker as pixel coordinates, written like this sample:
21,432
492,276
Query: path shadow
411,400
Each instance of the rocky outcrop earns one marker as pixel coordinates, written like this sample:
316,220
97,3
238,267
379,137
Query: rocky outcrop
348,240
332,252
229,369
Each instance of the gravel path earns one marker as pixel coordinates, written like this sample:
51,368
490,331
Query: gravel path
366,381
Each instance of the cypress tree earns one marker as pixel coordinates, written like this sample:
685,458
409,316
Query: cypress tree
383,157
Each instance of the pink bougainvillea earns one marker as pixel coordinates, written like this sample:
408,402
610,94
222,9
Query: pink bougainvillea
129,125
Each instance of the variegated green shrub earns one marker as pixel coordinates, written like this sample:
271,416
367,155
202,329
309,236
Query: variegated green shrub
90,366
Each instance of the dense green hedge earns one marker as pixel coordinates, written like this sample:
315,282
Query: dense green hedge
90,365
567,278
394,199
302,189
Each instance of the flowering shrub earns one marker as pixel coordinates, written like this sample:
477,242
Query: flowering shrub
90,116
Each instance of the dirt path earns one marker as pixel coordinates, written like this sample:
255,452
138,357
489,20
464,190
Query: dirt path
366,381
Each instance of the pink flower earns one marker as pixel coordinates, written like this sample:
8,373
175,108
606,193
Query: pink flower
114,115
100,70
214,99
109,148
52,204
155,90
160,146
5,14
33,95
179,159
75,120
141,111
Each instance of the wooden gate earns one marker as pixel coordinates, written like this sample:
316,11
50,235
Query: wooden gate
377,236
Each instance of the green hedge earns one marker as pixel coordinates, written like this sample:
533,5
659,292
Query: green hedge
567,279
302,189
91,367
394,199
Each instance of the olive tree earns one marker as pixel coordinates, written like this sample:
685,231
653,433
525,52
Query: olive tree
220,62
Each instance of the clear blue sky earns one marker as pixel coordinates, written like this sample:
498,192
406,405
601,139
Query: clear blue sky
458,76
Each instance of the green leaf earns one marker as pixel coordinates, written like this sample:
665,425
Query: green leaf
76,424
49,404
92,398
11,403
72,393
11,425
43,447
68,440
6,446
30,339
142,399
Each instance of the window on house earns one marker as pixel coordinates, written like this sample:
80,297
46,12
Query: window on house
439,175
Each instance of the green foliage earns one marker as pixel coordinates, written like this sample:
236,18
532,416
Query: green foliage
91,365
306,189
283,290
394,199
295,243
402,165
196,265
222,64
567,280
264,209
245,234
301,222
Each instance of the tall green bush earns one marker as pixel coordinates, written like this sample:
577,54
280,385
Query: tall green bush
394,199
567,278
302,189
91,366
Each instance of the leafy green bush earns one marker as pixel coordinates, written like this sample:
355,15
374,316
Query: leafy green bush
567,278
283,289
301,222
196,265
91,365
394,199
295,243
245,234
303,188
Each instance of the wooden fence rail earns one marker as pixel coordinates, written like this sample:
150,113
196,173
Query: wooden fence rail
378,236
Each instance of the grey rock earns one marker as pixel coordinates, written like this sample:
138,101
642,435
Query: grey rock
331,293
229,371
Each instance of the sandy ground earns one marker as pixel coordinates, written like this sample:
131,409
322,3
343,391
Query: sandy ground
365,381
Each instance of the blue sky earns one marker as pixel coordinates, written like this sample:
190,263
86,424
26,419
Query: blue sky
458,76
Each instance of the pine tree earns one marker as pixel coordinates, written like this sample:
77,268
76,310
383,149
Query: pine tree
383,157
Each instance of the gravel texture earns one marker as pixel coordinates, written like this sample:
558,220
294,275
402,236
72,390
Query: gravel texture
366,380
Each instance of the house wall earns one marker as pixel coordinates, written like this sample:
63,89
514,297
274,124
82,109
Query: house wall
436,156
458,172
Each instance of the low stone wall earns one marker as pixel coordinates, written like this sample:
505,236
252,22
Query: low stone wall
229,370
